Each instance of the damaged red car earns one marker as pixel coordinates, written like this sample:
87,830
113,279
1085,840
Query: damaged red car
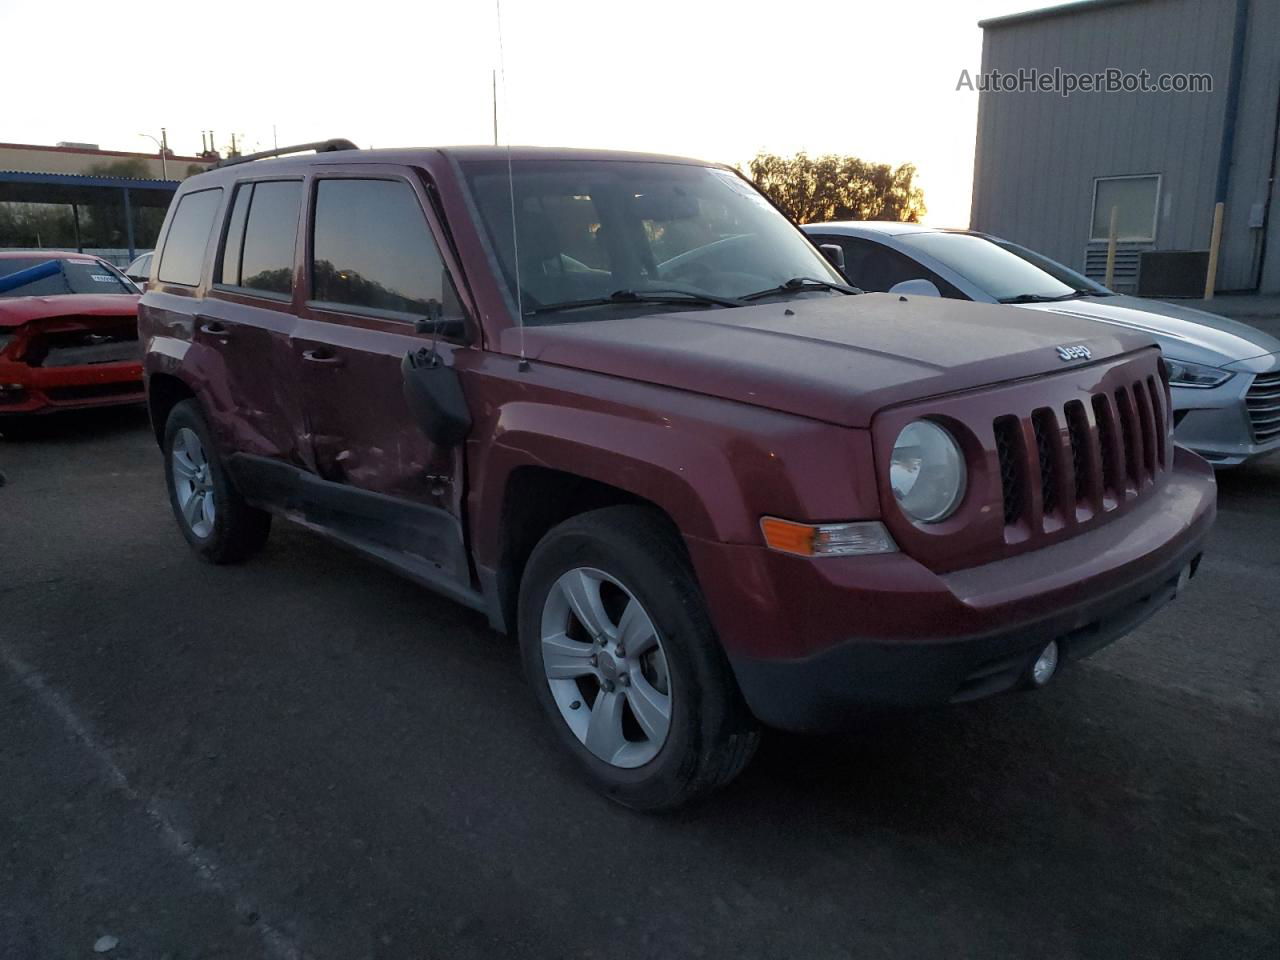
68,334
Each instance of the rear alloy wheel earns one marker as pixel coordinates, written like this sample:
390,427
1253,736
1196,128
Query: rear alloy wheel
220,526
620,652
192,483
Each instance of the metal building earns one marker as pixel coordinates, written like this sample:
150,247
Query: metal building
1048,168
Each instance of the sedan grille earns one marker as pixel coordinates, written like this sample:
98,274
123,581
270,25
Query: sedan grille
1063,464
71,348
1263,400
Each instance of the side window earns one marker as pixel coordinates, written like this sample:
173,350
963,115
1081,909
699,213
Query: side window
270,230
182,260
876,268
372,249
229,262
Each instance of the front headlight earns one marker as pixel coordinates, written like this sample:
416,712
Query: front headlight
1183,373
4,340
927,472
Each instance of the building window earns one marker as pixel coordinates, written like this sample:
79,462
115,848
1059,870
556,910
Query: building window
1136,201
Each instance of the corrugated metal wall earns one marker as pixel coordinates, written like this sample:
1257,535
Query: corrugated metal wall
1254,149
1037,153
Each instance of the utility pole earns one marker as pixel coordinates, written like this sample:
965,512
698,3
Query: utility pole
163,146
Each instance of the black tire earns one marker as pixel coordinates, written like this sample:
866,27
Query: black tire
238,530
712,734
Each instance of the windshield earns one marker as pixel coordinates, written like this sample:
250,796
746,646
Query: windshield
586,229
79,275
996,271
1055,269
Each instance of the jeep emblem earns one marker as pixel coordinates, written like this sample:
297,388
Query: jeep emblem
1077,352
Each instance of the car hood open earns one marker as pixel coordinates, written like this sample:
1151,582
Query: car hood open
833,358
1184,333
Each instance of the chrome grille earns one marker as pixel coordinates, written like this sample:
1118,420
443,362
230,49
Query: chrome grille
1086,458
1263,400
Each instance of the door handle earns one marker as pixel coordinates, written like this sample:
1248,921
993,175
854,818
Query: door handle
322,355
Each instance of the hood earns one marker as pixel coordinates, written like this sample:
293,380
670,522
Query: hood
15,311
1184,333
838,359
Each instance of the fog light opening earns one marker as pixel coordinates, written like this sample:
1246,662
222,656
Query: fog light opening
1046,665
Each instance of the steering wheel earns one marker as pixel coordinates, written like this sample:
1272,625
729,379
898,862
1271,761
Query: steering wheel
702,261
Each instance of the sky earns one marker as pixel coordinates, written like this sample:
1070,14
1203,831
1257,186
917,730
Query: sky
702,78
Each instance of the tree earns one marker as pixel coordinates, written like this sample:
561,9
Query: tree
833,187
36,225
103,223
132,168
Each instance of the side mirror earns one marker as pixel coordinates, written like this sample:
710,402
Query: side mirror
435,324
434,395
834,254
920,288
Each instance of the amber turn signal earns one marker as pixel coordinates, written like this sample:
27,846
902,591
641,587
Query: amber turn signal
826,539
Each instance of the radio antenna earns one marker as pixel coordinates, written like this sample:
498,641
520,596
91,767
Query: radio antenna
511,189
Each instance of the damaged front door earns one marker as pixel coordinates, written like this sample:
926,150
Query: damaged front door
375,271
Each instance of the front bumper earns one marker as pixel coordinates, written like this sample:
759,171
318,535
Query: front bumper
34,390
812,642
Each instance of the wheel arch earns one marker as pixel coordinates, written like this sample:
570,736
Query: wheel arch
550,462
164,392
536,499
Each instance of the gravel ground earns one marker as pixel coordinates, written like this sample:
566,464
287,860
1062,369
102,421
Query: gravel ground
306,756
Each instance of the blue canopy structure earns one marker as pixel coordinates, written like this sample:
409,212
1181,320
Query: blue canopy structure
80,190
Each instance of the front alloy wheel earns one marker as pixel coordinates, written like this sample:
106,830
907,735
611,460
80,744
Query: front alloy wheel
606,667
619,651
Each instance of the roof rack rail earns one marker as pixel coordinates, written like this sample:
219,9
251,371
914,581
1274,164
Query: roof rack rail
320,146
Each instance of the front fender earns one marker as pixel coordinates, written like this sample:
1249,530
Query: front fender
644,459
715,467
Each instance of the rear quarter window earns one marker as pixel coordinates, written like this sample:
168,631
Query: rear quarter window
182,260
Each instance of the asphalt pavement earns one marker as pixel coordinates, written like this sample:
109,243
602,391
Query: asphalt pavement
306,756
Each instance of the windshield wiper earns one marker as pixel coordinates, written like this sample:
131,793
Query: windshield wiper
638,296
798,285
1039,298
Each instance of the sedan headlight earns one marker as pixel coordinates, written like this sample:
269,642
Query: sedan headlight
1183,373
927,472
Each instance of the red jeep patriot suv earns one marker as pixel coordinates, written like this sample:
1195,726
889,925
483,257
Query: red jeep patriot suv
624,407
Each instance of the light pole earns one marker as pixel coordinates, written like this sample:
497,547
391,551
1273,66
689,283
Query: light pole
163,144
